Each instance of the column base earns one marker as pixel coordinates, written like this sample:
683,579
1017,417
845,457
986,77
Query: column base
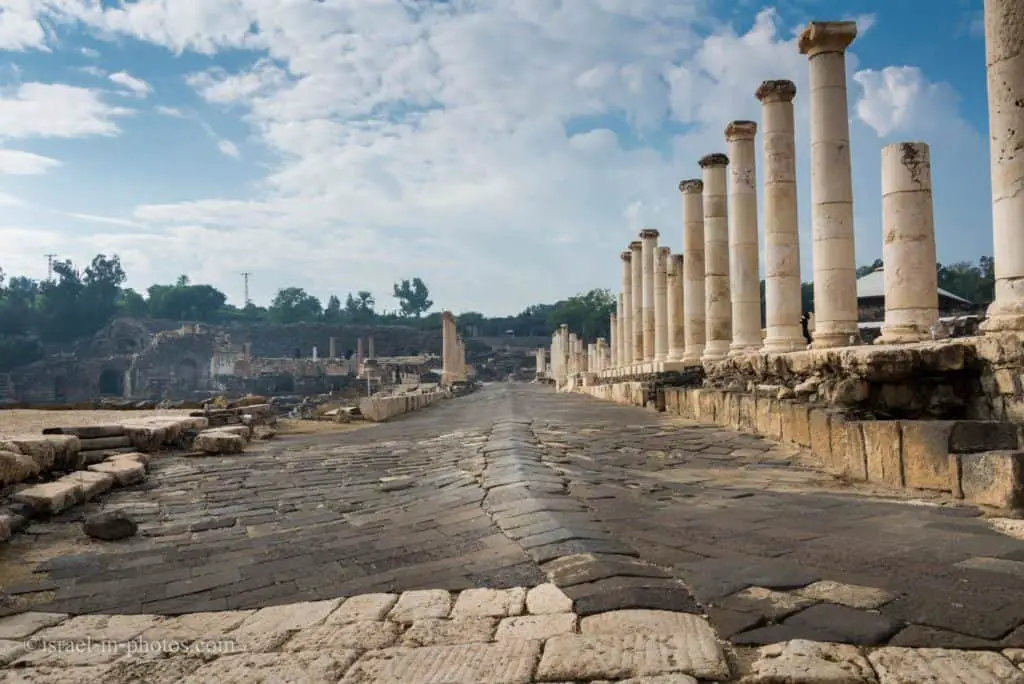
836,339
744,349
715,351
1004,317
783,346
660,358
692,358
902,334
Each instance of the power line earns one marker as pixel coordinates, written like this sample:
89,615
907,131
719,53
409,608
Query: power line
245,277
49,265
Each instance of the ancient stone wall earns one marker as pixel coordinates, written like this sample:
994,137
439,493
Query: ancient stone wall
284,340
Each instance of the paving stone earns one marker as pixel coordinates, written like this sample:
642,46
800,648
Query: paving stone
540,627
730,622
490,602
772,605
284,618
116,628
11,650
363,607
442,632
920,636
582,657
124,471
155,670
716,578
57,675
503,662
620,593
809,662
93,484
24,624
549,552
51,497
547,598
675,678
590,567
644,622
194,626
846,625
307,667
82,654
914,666
362,636
851,595
420,605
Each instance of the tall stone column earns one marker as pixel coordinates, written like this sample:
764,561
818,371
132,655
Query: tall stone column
661,303
637,277
835,266
693,270
602,353
447,347
332,347
908,244
622,347
371,351
1004,61
591,356
718,305
744,264
539,361
613,333
359,354
782,291
649,245
674,278
626,319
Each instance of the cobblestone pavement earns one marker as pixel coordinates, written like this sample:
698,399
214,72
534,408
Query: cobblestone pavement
623,509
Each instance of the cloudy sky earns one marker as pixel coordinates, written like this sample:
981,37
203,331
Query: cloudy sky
503,150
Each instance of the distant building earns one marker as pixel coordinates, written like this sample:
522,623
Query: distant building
871,300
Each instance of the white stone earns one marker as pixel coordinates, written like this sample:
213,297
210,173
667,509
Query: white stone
582,657
93,484
219,442
694,305
25,624
193,626
60,675
115,628
504,662
11,650
421,604
540,627
639,621
51,497
744,264
441,632
547,598
124,471
918,665
852,595
810,662
636,263
489,602
289,617
362,636
718,304
275,668
363,607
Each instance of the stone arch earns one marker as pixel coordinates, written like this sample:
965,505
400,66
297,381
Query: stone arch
111,383
186,373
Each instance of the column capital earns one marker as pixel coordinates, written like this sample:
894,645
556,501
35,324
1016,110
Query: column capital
636,245
677,259
711,160
740,130
692,185
648,233
826,36
626,256
776,91
666,251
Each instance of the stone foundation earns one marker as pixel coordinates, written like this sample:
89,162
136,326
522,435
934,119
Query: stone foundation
381,408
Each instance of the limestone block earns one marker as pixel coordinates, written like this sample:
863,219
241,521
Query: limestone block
572,657
536,626
440,632
309,666
16,467
490,602
851,595
927,463
640,621
51,497
547,598
912,665
993,478
218,442
288,617
973,436
364,636
124,471
93,483
25,624
748,413
148,437
363,607
243,431
115,628
848,458
502,662
883,449
37,447
796,423
819,421
801,661
421,604
769,418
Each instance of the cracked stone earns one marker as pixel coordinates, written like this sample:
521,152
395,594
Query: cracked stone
25,624
643,622
916,665
773,605
809,662
118,628
362,636
547,598
290,617
851,595
490,602
421,604
503,662
440,632
540,627
363,607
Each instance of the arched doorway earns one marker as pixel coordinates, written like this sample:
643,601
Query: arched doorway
111,383
187,375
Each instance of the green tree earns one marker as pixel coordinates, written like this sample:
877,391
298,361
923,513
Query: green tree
184,301
585,314
360,307
294,305
413,297
864,270
132,304
332,314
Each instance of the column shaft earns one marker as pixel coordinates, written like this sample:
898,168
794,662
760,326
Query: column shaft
649,245
626,319
694,304
622,349
744,264
674,278
636,276
716,255
661,303
613,333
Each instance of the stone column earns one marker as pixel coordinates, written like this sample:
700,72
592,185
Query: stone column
591,354
626,319
674,278
908,244
1004,60
332,347
371,352
649,245
661,303
447,348
359,351
835,266
602,353
718,322
613,333
539,361
636,276
782,291
744,264
565,353
693,270
619,359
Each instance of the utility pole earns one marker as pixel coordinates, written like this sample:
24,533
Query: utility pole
245,277
49,265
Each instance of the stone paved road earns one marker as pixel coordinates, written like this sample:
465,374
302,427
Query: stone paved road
621,507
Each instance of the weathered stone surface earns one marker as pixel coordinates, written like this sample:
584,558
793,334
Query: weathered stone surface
311,667
809,662
993,478
820,434
192,626
927,463
913,666
363,607
219,442
503,662
864,598
421,604
844,625
536,626
51,497
489,602
848,457
442,632
973,436
547,598
117,628
619,593
583,657
110,526
157,670
93,484
124,471
883,449
773,605
363,636
293,616
25,624
581,568
42,450
796,425
16,467
622,622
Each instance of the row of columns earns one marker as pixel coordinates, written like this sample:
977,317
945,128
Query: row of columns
453,351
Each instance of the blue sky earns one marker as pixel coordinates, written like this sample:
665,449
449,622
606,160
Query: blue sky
503,150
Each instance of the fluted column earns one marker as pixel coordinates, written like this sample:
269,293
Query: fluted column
716,258
782,291
622,348
649,245
674,278
661,303
908,244
637,277
626,319
1004,60
744,265
694,305
835,266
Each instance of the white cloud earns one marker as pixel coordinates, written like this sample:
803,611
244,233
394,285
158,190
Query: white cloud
864,22
19,28
897,99
139,87
172,112
92,71
89,52
8,200
18,163
229,149
51,110
104,220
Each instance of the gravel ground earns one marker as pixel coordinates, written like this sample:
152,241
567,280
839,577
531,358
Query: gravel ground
30,421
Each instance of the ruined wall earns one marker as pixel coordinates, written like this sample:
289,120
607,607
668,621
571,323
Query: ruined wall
283,340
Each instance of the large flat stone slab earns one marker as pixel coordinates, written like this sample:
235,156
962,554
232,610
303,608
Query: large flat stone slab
582,657
913,666
309,667
504,662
